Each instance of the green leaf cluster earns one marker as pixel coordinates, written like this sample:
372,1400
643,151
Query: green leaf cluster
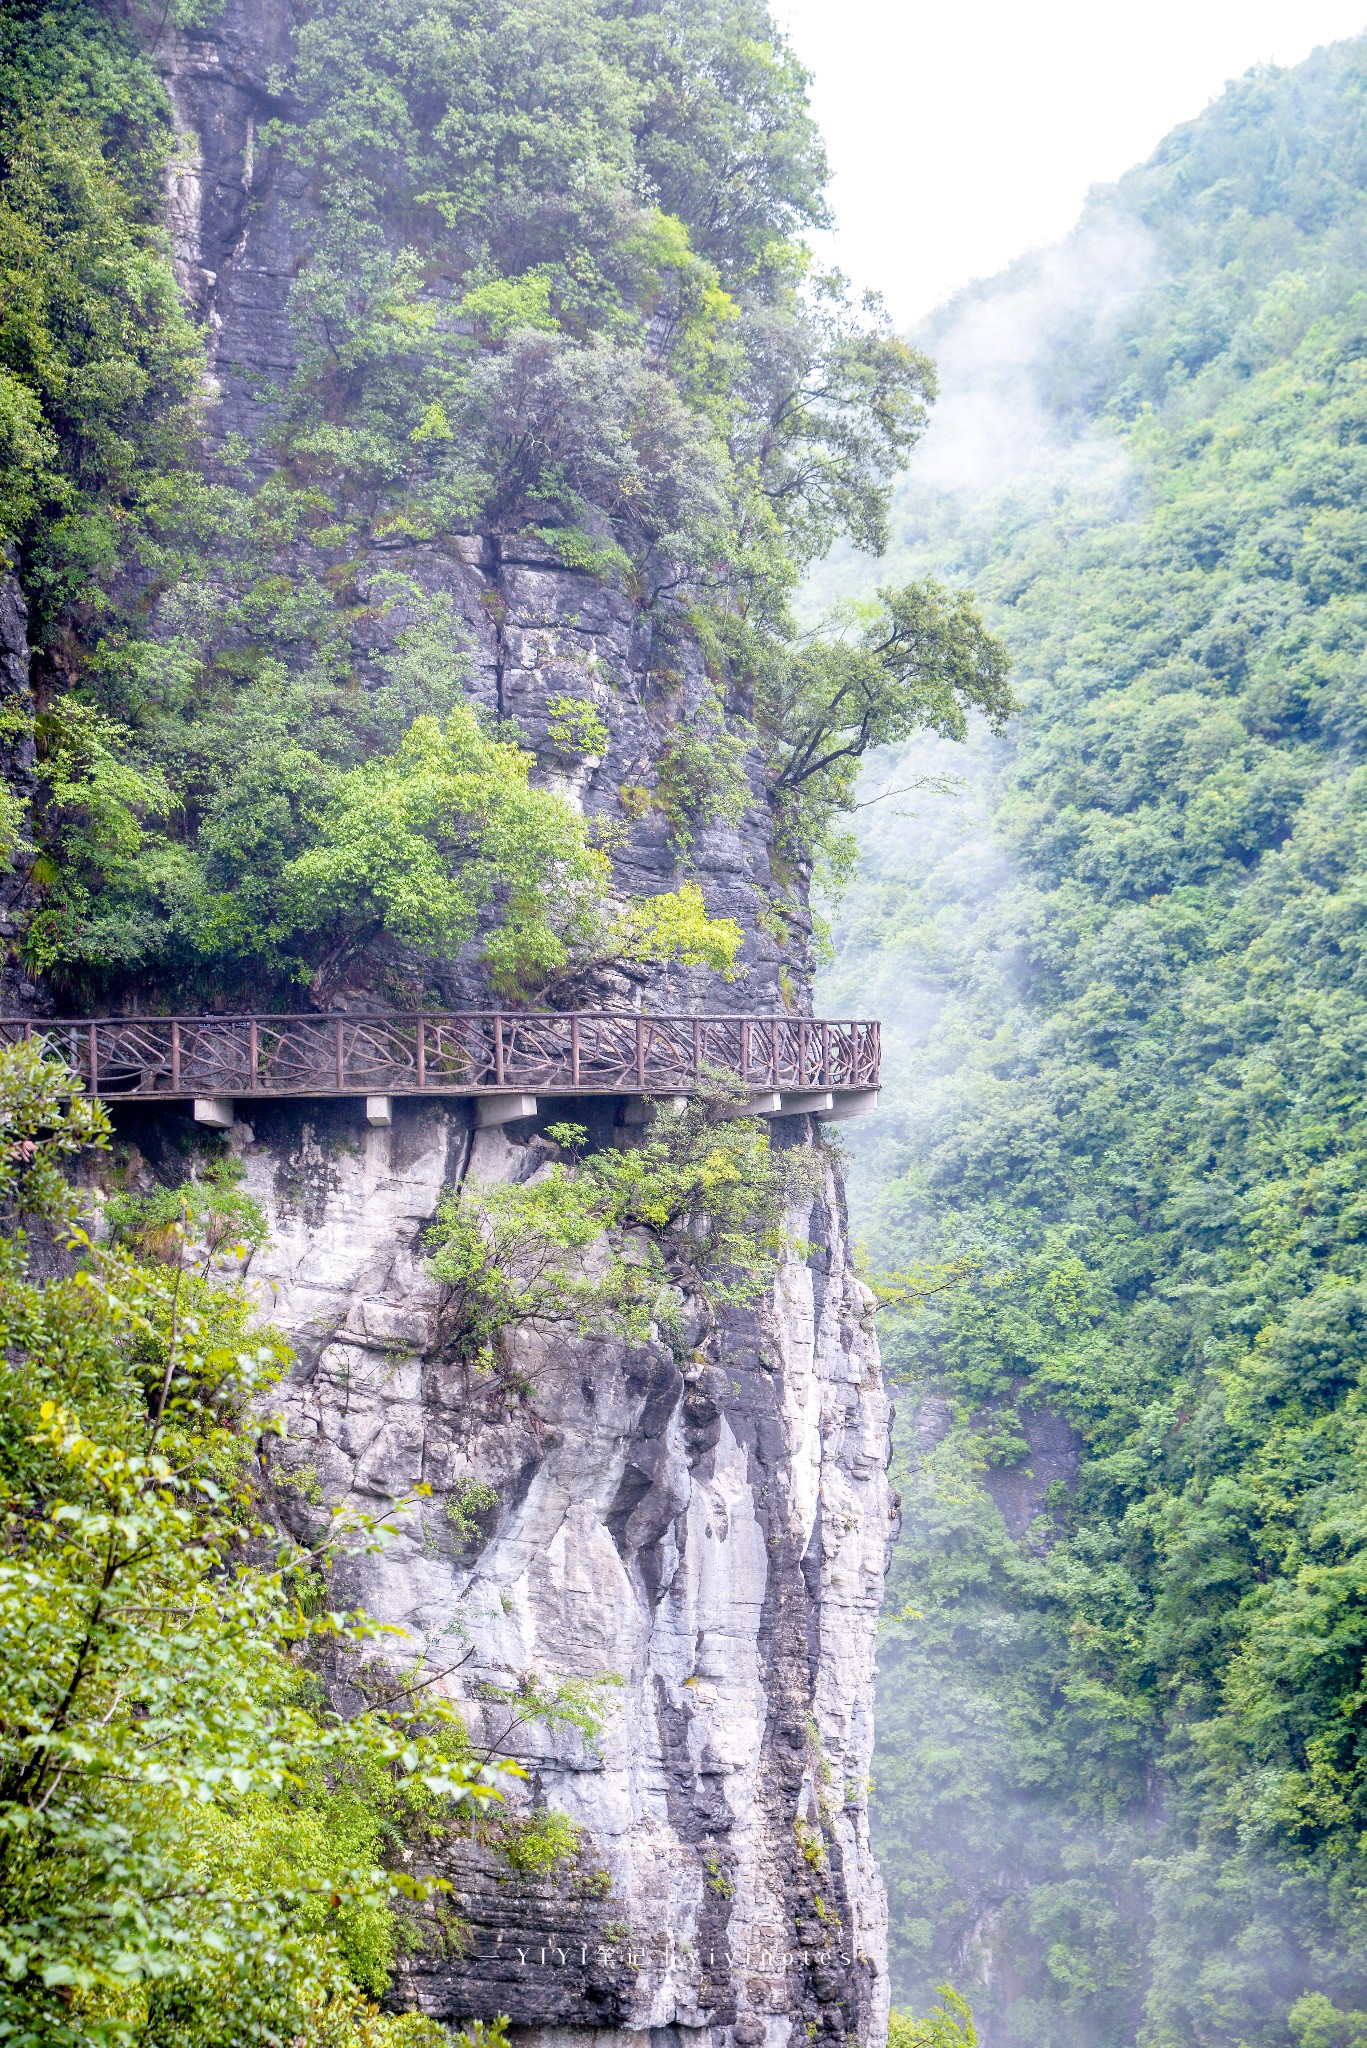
948,2024
98,361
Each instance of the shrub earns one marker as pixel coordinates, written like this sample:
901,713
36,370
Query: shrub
608,1242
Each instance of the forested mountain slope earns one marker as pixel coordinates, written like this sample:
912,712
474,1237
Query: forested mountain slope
1122,1781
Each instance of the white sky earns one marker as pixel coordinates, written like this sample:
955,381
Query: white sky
964,133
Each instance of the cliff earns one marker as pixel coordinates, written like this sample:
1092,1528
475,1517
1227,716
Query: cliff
706,1525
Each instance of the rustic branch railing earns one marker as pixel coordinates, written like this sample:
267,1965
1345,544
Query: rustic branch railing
589,1052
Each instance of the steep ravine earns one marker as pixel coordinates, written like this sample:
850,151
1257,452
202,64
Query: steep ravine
710,1529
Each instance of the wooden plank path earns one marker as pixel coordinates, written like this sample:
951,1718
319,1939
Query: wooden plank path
508,1054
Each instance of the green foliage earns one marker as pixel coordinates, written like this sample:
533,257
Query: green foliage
650,931
1124,1755
193,1841
97,360
482,2034
416,845
201,1217
539,1842
576,727
604,560
914,659
609,1241
302,867
701,778
947,2025
1317,2023
466,1503
578,1703
664,365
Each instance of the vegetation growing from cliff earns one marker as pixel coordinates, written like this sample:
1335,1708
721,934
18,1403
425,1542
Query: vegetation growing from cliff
551,279
948,2024
1121,1773
98,359
612,1241
194,1845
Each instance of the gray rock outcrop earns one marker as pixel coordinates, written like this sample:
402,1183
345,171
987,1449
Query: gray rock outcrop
708,1531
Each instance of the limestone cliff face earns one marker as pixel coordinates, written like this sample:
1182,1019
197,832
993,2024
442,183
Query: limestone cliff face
708,1523
711,1529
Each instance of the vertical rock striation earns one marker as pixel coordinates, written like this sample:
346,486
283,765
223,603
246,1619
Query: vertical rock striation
710,1529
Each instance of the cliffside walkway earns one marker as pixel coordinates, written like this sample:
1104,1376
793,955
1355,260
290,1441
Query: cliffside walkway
504,1060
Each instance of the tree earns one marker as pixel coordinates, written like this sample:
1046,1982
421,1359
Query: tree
422,842
916,659
192,1839
419,843
947,2025
831,404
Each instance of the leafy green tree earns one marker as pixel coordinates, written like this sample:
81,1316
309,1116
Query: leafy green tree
417,844
914,659
725,134
97,359
192,1839
947,2025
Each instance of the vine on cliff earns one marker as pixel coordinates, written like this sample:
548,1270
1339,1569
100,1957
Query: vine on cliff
611,1242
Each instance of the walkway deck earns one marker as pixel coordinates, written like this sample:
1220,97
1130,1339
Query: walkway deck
587,1052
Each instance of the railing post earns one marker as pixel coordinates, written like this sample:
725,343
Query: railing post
574,1048
773,1052
254,1053
697,1049
175,1056
341,1059
498,1050
744,1049
94,1061
422,1052
640,1051
825,1078
802,1048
